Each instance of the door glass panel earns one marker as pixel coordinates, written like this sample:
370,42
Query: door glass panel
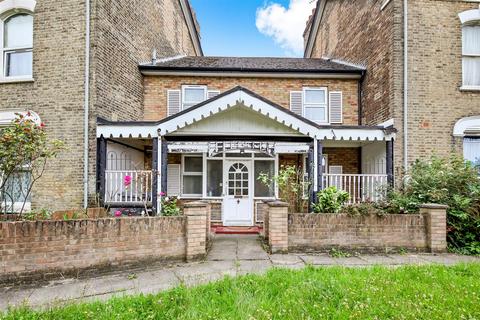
214,178
238,180
266,167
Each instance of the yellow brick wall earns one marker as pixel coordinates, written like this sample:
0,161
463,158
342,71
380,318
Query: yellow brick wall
274,89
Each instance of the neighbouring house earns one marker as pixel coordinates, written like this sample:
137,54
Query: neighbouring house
70,62
422,61
212,125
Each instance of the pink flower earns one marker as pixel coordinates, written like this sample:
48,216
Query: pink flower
127,180
118,213
162,194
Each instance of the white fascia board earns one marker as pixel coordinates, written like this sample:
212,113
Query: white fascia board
343,134
127,131
245,74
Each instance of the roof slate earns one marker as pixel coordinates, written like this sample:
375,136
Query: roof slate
251,64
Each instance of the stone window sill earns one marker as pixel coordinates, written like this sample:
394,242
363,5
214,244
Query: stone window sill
16,80
470,88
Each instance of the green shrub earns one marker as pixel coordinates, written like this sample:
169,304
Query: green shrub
170,207
330,200
365,209
448,181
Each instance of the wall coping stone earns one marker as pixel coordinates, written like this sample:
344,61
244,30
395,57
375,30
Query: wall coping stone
195,204
433,206
277,203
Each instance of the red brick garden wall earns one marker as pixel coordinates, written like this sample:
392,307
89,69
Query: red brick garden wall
366,233
425,231
29,249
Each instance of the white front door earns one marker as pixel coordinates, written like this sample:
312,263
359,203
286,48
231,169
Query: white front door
238,198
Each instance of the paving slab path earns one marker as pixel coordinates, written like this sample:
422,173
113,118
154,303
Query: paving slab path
229,255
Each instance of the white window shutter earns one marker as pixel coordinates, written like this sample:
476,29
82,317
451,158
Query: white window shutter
212,93
173,102
173,178
296,102
336,107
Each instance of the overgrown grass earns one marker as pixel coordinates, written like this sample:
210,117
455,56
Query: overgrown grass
415,292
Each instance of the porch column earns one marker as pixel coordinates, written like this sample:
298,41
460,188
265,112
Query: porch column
309,169
319,167
389,156
155,176
164,166
101,167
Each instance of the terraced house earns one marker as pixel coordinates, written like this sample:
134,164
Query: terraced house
213,125
71,61
133,97
422,62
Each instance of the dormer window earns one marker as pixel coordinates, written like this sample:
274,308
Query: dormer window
17,46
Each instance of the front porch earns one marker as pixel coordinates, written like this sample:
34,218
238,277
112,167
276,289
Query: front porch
217,151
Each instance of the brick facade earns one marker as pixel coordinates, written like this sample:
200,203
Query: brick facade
361,32
49,248
274,89
56,94
123,34
436,102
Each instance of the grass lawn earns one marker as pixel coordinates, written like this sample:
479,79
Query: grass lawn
416,292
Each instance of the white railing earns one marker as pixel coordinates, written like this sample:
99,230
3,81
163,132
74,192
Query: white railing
361,187
138,191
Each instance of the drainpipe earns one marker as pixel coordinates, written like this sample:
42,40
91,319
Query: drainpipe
405,85
86,103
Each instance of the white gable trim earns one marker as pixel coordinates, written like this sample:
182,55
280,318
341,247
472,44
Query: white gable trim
244,99
127,131
469,16
471,124
233,99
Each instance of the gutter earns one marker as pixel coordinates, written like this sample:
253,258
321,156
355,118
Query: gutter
248,74
86,103
405,85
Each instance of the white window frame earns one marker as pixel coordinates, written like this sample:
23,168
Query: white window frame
190,174
16,205
4,51
324,104
189,86
473,20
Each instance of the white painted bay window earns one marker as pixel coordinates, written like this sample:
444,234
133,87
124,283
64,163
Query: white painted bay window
192,179
192,95
471,56
315,105
17,46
